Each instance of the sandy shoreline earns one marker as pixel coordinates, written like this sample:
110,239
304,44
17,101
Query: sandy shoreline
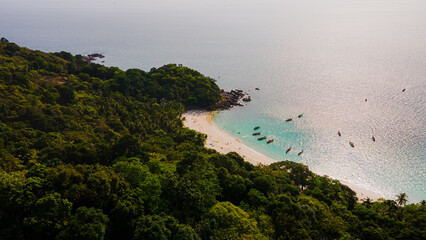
223,142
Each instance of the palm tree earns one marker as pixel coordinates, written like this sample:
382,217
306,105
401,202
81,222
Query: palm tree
402,199
367,202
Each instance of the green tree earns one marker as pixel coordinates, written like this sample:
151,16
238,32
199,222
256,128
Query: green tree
50,216
155,227
66,96
87,224
402,199
146,184
233,221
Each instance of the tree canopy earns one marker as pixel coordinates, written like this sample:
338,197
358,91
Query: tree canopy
95,152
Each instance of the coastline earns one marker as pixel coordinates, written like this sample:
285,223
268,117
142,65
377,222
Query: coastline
220,140
223,142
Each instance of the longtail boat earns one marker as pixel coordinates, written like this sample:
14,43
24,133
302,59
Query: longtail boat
338,133
288,150
300,153
289,120
270,140
373,138
352,144
256,133
300,115
261,138
257,127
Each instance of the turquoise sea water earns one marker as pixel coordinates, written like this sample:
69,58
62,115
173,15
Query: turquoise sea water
321,58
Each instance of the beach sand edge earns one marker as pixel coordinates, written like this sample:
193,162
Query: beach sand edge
223,142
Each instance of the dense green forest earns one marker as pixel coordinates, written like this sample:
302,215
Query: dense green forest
95,152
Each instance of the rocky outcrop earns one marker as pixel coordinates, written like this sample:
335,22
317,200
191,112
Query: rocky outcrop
91,57
228,100
247,99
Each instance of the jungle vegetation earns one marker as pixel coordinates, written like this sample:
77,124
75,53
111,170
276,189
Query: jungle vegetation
95,152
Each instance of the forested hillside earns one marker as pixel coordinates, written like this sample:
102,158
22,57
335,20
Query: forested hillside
95,152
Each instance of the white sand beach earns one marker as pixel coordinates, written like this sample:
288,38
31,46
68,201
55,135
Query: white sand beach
223,142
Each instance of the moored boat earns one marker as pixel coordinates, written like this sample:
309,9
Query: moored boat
288,150
338,133
300,153
256,133
300,115
261,138
289,120
270,140
257,127
373,138
352,144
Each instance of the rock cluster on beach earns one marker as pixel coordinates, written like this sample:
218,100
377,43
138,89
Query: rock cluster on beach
91,57
229,99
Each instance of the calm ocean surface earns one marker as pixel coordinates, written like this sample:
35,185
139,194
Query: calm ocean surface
321,58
